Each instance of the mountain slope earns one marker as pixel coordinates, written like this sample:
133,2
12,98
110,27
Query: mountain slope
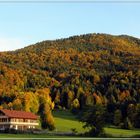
103,66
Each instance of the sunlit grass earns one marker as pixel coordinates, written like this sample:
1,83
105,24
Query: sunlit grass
121,132
65,121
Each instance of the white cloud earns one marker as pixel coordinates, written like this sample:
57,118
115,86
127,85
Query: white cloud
8,44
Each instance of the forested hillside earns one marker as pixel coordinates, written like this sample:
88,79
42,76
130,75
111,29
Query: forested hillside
77,71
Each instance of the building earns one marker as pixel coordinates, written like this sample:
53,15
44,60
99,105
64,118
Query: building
19,120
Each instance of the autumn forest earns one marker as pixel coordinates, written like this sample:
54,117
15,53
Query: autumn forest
73,73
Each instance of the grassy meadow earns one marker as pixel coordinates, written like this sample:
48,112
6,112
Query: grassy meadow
115,132
65,121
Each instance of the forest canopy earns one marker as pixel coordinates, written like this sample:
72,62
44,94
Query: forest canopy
75,72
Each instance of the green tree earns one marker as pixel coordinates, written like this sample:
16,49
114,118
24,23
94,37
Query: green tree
137,117
128,124
94,119
47,120
89,100
131,112
117,117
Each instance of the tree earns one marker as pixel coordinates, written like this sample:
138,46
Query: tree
89,100
97,98
31,103
117,117
131,112
57,98
47,120
75,105
128,124
17,104
137,117
70,96
94,119
45,108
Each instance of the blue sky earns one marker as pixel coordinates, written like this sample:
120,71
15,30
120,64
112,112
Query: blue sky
28,23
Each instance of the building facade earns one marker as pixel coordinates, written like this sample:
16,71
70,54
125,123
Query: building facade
19,120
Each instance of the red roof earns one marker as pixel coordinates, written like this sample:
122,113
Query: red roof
19,114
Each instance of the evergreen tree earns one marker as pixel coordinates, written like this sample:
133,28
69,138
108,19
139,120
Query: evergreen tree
94,119
117,117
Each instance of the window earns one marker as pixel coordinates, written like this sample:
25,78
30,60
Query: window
33,121
4,120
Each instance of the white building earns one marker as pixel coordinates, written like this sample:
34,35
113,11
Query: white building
19,120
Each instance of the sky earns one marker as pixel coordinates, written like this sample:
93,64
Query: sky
22,24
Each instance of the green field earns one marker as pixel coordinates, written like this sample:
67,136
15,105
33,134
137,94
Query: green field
121,132
65,122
